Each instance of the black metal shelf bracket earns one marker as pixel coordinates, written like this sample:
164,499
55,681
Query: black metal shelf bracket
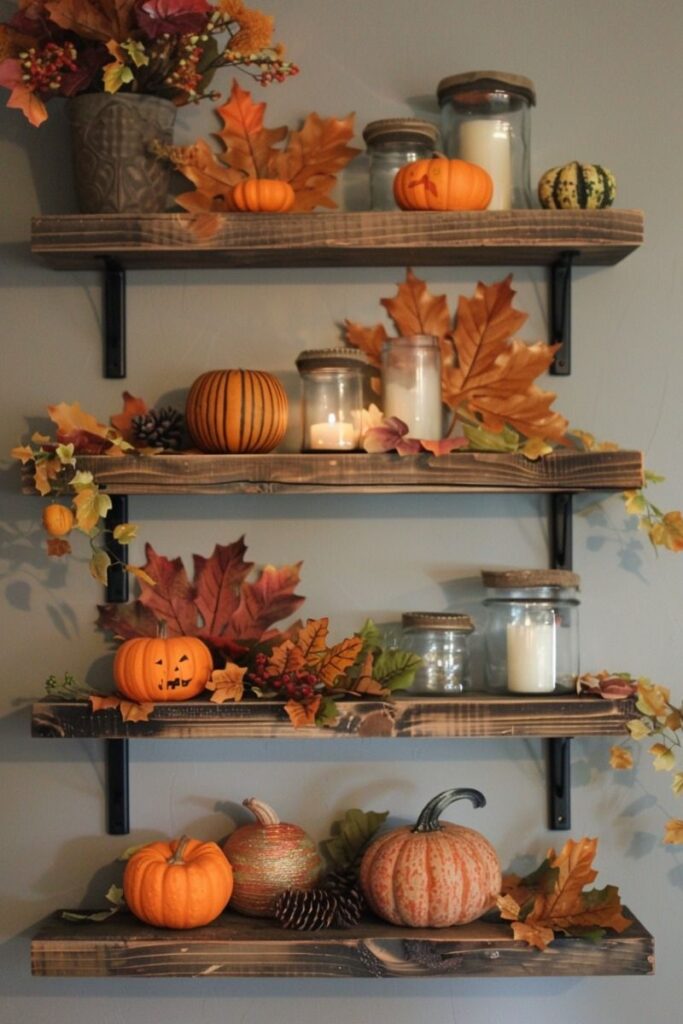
559,749
561,312
118,805
114,315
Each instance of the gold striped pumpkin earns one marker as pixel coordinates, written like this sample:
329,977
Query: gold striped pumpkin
232,411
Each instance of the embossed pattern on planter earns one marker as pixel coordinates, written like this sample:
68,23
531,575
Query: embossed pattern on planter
115,171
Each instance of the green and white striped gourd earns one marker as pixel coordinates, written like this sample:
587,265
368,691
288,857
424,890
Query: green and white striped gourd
577,186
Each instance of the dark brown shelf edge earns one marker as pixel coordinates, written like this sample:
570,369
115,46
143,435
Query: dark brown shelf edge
458,472
404,718
243,947
182,240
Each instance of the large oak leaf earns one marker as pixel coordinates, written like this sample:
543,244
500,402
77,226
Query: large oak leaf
313,157
266,601
218,582
172,599
94,19
249,145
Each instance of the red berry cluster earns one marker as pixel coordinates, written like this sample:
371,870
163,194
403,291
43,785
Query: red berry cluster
42,71
277,71
185,77
298,684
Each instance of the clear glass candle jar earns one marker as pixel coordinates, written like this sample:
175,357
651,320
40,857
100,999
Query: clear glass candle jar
332,399
532,630
443,643
391,144
485,119
411,384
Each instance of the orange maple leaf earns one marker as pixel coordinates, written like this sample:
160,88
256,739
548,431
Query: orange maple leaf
366,682
338,659
92,19
132,712
312,639
286,657
103,703
312,158
227,683
303,715
123,421
249,145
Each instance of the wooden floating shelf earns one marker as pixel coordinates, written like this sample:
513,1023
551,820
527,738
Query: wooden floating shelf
235,946
182,240
405,718
459,472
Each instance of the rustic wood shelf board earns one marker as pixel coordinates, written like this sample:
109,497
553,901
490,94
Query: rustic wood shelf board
181,240
405,718
459,472
248,947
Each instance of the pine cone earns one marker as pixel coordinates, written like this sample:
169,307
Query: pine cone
159,428
306,909
344,886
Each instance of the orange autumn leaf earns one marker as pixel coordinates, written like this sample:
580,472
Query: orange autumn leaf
132,712
312,639
309,161
302,716
92,19
103,703
673,835
669,532
415,310
123,421
287,657
620,758
57,546
227,684
369,339
554,898
338,659
366,682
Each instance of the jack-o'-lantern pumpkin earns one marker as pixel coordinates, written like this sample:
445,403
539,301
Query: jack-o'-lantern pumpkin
433,874
162,668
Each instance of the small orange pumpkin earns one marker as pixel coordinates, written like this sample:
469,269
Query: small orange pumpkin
58,520
162,668
262,195
181,884
267,857
443,184
234,411
432,874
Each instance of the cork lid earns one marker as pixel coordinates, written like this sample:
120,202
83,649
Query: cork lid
401,129
329,358
472,87
455,621
512,579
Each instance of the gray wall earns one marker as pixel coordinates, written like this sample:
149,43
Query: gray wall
609,86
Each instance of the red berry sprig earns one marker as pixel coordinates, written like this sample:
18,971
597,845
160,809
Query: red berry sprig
299,684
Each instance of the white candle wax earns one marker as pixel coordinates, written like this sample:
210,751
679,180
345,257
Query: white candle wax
335,435
487,143
531,657
419,406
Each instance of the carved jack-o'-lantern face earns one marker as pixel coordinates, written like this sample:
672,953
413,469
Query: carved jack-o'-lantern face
156,669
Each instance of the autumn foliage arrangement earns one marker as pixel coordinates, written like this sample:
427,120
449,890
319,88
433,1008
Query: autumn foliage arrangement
166,48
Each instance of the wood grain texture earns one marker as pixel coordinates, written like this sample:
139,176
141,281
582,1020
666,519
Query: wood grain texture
512,237
404,718
244,947
459,472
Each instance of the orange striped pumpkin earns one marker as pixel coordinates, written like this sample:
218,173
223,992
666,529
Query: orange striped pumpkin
233,411
432,874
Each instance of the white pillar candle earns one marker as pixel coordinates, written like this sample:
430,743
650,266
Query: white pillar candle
531,657
487,143
418,406
334,435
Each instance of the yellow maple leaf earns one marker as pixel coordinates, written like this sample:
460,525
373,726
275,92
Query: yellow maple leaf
99,566
303,715
652,699
534,448
673,835
669,532
677,783
663,758
91,506
140,574
124,533
638,729
620,758
227,683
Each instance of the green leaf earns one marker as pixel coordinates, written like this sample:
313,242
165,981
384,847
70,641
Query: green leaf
97,916
395,669
544,878
124,533
136,52
371,636
653,478
128,853
507,440
327,712
66,689
350,835
593,934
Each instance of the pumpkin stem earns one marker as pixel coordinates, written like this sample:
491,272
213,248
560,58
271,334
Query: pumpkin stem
178,856
162,632
428,820
264,814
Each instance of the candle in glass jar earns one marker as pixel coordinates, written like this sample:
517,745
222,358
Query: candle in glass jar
486,142
531,657
335,435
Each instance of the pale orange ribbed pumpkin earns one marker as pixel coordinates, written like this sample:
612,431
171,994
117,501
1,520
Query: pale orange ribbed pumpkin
267,857
232,411
181,884
432,874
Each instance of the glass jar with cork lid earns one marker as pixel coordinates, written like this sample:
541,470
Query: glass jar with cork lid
486,120
332,398
392,143
532,630
442,640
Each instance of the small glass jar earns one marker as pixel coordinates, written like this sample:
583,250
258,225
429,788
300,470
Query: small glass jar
391,144
411,384
485,119
443,643
332,404
532,631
